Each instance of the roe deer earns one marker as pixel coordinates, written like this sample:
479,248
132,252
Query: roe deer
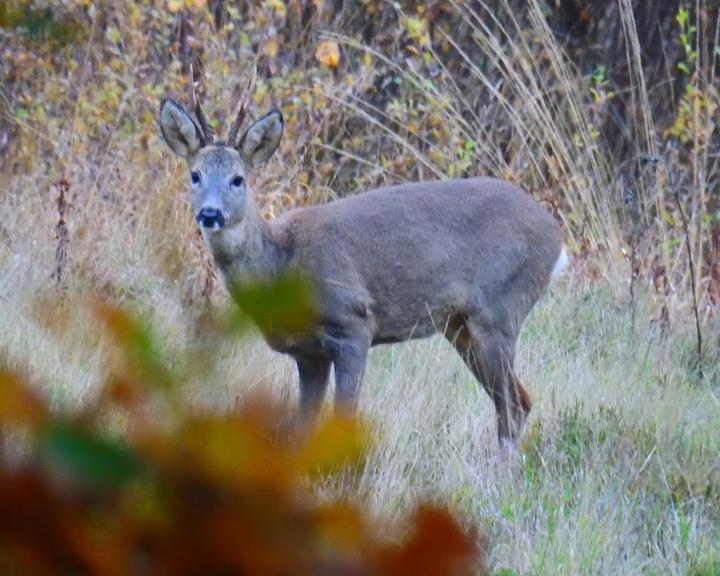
468,258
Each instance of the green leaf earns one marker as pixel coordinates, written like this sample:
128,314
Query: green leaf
283,305
88,457
683,67
22,114
416,25
598,76
682,16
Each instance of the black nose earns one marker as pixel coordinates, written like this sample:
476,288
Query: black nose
210,218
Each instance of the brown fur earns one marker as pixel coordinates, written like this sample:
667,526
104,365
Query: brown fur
466,257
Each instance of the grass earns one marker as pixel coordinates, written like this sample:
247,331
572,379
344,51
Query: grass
618,470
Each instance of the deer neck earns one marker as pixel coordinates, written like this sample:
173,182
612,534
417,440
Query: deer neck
246,250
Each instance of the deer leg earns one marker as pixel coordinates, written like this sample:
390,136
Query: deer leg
495,355
460,338
490,355
349,358
314,374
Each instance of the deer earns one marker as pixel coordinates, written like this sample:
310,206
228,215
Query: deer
467,258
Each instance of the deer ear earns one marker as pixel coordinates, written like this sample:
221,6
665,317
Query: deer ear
262,138
178,128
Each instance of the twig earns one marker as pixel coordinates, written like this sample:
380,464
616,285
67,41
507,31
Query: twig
633,238
633,256
692,274
61,232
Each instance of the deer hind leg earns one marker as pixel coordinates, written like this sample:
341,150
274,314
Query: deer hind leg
489,353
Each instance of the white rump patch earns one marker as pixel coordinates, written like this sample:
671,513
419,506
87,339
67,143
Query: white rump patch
560,264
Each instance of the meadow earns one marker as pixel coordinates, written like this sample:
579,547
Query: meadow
618,470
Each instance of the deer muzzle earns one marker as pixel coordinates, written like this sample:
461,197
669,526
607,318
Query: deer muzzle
210,218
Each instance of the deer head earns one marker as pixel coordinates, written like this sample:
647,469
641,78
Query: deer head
219,193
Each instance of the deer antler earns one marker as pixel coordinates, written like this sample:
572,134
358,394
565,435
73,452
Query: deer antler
207,130
242,109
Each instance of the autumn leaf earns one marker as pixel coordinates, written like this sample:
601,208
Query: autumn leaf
437,546
342,526
18,404
134,343
278,6
337,441
232,450
177,5
271,47
328,54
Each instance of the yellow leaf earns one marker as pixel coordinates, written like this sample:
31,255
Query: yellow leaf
271,47
175,5
370,6
337,441
278,6
418,30
234,449
307,98
328,54
341,526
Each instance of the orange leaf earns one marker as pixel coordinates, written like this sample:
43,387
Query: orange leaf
18,404
438,546
328,54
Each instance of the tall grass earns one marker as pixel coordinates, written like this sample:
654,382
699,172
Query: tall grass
539,124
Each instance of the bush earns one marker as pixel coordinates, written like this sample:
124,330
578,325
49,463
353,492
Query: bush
179,491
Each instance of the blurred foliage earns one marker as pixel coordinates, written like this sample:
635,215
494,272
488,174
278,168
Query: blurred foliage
174,490
39,24
283,305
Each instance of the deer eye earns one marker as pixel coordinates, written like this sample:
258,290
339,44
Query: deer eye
237,181
195,177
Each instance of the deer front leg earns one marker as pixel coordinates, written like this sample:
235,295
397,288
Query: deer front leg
349,357
314,374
